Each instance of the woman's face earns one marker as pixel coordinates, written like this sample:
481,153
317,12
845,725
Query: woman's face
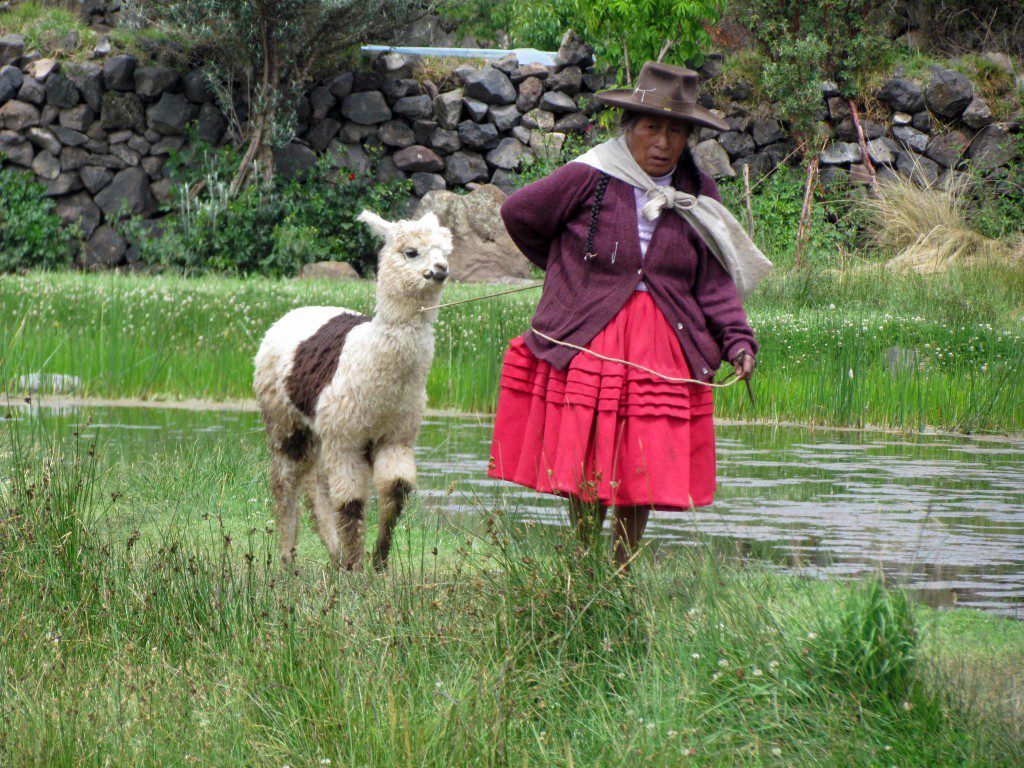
657,143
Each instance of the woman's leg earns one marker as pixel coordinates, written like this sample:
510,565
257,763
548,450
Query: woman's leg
587,517
628,526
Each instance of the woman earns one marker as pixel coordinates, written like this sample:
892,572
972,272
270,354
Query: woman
648,292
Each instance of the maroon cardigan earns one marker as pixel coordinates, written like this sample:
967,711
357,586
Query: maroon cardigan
548,220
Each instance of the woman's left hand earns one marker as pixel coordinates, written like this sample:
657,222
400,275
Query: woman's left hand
744,364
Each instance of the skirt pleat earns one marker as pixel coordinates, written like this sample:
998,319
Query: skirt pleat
605,431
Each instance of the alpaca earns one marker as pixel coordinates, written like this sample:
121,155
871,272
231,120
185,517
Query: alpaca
342,396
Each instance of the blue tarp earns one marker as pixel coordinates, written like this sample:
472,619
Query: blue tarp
525,55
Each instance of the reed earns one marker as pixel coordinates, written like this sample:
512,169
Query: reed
858,347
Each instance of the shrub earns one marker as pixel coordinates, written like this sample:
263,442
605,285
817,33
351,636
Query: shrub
266,228
31,234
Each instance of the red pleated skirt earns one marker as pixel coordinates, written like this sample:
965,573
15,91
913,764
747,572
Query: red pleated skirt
604,431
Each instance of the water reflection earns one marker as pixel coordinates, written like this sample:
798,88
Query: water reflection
943,515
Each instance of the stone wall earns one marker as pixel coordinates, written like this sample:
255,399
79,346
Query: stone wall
98,133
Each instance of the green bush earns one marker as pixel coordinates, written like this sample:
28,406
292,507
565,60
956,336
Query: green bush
31,234
269,228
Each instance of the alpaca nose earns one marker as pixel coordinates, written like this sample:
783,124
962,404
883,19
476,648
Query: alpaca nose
438,273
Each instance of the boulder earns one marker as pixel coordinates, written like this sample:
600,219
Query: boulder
294,159
530,91
977,114
760,165
422,130
340,86
573,51
538,119
840,153
418,158
78,118
948,93
902,118
922,121
46,165
425,182
40,69
557,103
509,154
105,249
349,157
902,95
79,209
69,137
150,82
169,116
504,117
153,166
444,141
991,148
353,133
44,139
448,109
568,81
736,143
394,64
490,86
767,132
366,108
507,63
73,158
119,73
196,87
32,91
713,159
17,116
479,136
387,170
121,111
320,136
167,145
921,170
462,167
547,146
574,122
211,124
328,270
396,133
482,250
838,109
321,101
475,108
882,151
88,79
522,133
910,137
523,73
1000,61
946,150
11,49
12,81
15,149
127,191
95,178
414,107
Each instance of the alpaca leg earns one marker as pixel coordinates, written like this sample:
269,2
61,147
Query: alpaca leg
394,474
319,497
285,480
348,478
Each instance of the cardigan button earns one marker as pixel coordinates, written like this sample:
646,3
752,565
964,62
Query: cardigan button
640,271
679,326
704,371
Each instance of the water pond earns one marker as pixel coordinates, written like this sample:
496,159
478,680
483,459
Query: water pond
942,515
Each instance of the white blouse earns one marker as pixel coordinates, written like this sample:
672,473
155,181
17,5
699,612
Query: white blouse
645,228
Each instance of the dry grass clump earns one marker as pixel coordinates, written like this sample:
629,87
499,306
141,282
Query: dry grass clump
928,230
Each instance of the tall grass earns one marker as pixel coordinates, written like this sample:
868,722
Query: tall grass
518,648
857,347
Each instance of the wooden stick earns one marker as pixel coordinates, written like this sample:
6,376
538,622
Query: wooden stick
865,156
746,192
805,211
625,56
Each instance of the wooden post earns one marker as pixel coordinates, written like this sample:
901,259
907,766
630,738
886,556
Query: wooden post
746,193
865,156
805,211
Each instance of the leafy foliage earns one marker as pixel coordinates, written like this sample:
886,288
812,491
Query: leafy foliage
31,234
271,228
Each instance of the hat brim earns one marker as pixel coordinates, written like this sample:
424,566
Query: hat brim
625,98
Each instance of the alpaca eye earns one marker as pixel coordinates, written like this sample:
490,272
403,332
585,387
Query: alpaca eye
411,253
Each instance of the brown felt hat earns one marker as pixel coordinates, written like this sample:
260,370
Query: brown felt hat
663,89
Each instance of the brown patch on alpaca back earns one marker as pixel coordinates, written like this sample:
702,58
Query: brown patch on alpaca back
316,360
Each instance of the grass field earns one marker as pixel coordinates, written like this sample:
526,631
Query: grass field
853,348
144,621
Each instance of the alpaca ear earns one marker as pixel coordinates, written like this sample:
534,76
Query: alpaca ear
430,219
380,227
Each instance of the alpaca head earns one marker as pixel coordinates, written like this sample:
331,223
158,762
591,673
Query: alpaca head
413,264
